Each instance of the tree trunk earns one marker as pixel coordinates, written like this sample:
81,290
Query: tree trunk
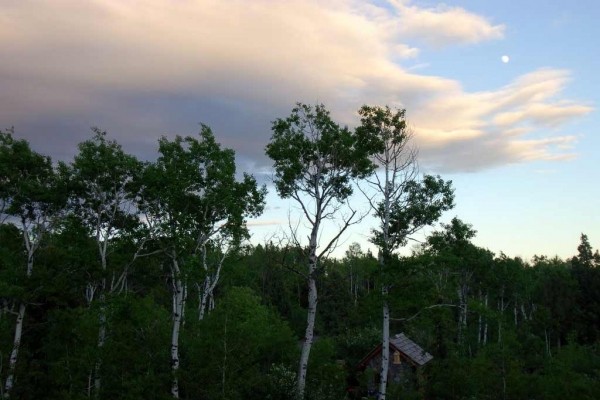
523,313
501,307
202,304
224,368
102,250
4,307
312,304
309,334
479,323
462,313
485,327
30,262
206,300
14,355
178,306
101,340
385,347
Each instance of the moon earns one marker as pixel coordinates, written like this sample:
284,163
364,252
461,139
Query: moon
505,59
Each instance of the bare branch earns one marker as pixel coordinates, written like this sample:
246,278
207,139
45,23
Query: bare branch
333,242
423,309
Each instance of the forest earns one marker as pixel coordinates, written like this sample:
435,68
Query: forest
123,278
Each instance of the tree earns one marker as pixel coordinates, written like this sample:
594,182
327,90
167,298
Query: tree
232,349
315,161
586,256
196,209
29,199
103,181
585,269
467,264
402,201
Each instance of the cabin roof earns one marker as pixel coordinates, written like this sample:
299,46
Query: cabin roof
410,349
404,345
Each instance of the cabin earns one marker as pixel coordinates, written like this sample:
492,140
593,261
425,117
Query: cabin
406,359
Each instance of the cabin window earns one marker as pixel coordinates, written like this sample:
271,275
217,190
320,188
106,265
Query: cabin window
396,359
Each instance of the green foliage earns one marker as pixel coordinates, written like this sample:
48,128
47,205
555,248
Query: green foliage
281,383
229,354
12,259
356,343
28,184
327,373
312,154
103,182
135,353
70,345
381,125
406,202
422,204
530,330
267,271
192,189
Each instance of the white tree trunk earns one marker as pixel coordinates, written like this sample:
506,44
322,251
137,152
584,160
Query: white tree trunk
4,307
383,257
14,355
313,260
465,310
178,306
479,323
31,247
501,309
203,303
485,328
309,333
523,313
206,296
462,313
102,251
30,263
207,302
385,347
101,340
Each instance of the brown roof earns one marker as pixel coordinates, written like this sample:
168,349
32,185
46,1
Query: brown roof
400,342
410,349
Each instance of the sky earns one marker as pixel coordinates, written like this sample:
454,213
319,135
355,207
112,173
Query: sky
502,96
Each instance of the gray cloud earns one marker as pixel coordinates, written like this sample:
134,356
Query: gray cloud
142,69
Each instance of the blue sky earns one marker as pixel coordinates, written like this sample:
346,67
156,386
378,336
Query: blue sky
518,138
539,207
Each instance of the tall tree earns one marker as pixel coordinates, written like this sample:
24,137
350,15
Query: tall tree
103,181
585,254
29,199
402,201
585,269
196,208
315,161
468,265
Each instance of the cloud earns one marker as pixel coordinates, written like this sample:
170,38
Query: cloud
543,114
145,68
272,222
472,131
444,25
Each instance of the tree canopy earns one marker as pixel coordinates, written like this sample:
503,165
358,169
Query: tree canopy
129,279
